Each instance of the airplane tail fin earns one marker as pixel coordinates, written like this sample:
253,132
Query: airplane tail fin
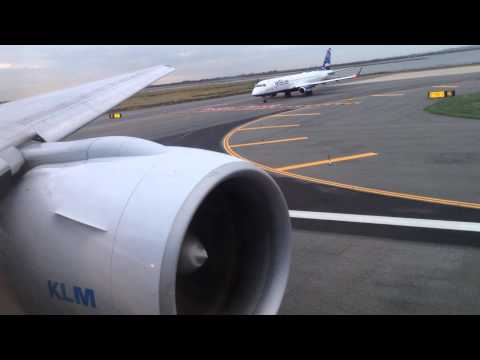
328,60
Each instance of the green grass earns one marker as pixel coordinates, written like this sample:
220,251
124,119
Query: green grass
465,106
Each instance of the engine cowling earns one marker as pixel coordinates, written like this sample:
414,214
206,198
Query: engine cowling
171,231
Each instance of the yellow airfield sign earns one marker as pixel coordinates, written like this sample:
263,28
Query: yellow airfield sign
438,94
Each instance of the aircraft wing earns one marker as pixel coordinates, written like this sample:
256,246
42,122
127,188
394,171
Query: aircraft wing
344,69
55,115
314,83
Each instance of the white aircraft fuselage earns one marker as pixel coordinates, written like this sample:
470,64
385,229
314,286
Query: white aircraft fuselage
302,82
290,83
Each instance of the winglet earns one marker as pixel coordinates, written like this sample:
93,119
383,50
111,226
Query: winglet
359,71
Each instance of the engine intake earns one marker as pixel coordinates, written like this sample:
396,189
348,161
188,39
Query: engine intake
171,231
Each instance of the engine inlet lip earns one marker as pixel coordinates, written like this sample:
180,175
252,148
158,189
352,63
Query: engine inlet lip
167,285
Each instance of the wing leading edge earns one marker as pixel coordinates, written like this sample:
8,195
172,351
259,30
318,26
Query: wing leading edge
55,115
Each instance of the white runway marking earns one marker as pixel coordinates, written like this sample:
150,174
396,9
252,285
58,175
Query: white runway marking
386,220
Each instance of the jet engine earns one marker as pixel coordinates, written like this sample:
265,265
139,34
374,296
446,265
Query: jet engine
305,91
121,225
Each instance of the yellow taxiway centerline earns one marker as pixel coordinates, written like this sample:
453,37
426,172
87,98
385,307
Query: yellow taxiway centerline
328,161
269,142
230,151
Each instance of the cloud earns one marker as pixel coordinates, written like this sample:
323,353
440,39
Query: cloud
185,54
280,47
62,66
10,66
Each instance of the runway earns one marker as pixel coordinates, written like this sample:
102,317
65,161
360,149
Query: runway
360,148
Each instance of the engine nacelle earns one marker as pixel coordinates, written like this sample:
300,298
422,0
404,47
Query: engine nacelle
305,90
171,231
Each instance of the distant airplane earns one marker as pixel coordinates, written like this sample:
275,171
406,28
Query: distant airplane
302,82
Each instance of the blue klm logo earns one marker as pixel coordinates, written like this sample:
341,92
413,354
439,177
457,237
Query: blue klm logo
80,296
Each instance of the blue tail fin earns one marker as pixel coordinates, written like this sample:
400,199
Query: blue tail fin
328,60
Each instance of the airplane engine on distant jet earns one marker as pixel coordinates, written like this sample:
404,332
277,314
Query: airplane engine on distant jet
305,91
125,226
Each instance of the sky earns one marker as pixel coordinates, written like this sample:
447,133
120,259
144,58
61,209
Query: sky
29,70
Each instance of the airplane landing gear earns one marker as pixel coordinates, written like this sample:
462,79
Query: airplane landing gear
264,99
288,94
